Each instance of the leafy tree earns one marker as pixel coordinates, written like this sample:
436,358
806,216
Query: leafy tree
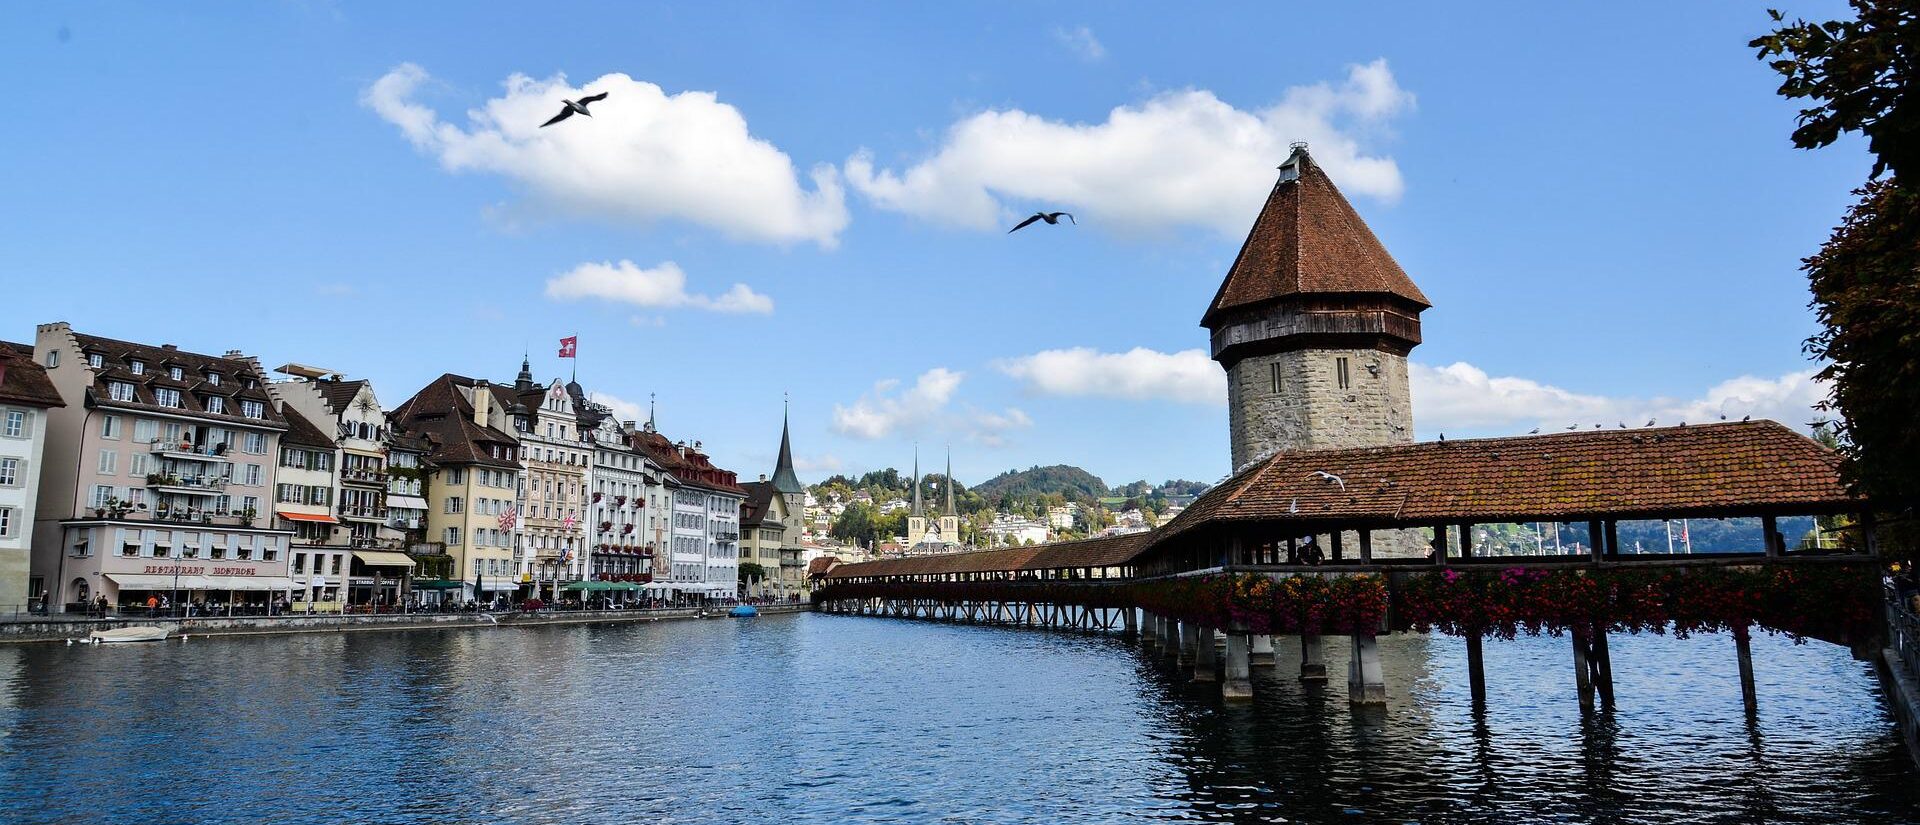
1859,76
751,572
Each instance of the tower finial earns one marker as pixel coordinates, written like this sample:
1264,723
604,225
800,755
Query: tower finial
949,481
916,478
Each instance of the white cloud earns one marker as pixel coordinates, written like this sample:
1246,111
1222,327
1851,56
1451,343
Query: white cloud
883,411
643,156
1081,42
1188,376
662,287
991,428
1182,158
827,463
1463,397
1458,397
623,409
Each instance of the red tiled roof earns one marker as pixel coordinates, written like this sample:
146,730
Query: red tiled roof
1721,469
443,415
23,380
1308,239
195,388
1112,551
303,433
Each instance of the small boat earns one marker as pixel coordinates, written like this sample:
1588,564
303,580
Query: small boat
136,633
743,611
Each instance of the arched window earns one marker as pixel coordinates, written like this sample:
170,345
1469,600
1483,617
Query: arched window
80,591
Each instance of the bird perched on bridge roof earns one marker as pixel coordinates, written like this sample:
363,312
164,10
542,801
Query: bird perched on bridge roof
1052,218
575,106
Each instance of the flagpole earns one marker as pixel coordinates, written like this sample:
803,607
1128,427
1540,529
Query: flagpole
576,358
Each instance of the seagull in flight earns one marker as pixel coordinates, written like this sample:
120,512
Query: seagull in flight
1333,478
1573,426
573,106
1052,218
1649,422
1534,431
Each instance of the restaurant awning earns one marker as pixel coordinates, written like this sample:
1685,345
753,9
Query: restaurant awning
383,558
251,583
317,519
140,581
436,584
497,585
406,503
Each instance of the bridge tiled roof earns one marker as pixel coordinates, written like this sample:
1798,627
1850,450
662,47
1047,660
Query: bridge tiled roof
1113,551
1721,469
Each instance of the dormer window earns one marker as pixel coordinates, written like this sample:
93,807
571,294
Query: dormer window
175,373
213,378
120,390
253,409
216,404
138,366
166,397
95,360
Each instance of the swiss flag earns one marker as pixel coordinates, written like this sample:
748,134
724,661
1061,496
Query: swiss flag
568,345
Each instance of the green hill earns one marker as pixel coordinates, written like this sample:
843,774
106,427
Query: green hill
1066,481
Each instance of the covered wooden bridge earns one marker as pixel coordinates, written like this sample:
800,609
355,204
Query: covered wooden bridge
1326,530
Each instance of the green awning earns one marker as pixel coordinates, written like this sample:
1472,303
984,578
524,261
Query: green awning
436,584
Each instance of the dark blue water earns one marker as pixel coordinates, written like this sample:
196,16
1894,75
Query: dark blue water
833,719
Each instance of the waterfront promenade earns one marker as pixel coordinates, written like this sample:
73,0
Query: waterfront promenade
58,628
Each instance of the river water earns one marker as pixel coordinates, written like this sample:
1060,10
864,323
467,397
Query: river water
816,718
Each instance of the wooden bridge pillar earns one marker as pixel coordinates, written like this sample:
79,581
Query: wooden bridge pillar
1366,682
1237,686
1189,644
1602,662
1366,546
1743,648
1476,672
1149,631
1170,638
1313,662
1260,653
1128,623
1582,673
1203,655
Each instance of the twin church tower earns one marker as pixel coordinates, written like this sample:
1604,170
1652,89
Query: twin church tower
1313,325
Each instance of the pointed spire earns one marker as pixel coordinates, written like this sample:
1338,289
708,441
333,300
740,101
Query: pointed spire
650,424
1308,240
524,381
916,480
949,481
784,479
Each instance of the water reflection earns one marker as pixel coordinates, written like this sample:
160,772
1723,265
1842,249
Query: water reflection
833,719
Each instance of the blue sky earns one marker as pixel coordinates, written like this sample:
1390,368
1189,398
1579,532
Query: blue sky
1601,202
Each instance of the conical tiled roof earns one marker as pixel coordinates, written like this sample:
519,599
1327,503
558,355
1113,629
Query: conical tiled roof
1309,240
784,479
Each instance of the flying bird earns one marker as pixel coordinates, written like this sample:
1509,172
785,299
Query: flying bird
1573,426
573,106
1534,431
1293,505
1051,218
1649,422
1333,478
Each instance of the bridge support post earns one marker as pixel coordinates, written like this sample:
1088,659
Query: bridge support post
1128,626
1743,648
1313,661
1260,653
1366,682
1476,672
1602,668
1189,644
1237,686
1203,655
1170,637
1149,631
1582,674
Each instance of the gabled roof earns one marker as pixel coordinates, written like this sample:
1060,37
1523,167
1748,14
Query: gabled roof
303,433
442,414
339,394
23,380
117,358
1306,240
753,511
1721,469
1110,551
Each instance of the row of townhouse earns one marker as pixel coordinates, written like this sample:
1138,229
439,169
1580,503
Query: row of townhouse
132,472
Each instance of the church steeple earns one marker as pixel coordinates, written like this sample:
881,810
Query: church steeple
949,481
784,479
916,481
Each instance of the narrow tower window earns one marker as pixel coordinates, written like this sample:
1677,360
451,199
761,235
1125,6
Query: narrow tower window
1273,374
1340,371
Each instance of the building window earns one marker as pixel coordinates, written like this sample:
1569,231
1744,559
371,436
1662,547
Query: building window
9,472
299,562
166,397
95,361
16,426
175,373
249,503
1340,372
250,475
120,390
253,409
456,475
53,359
6,522
213,378
454,504
216,404
109,462
1273,375
255,443
138,366
138,464
453,539
110,426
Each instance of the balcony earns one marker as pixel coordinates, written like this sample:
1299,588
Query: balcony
364,512
191,485
184,451
726,535
176,515
364,476
407,522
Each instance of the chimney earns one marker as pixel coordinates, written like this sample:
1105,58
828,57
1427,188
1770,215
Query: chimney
763,478
631,425
173,348
482,403
232,353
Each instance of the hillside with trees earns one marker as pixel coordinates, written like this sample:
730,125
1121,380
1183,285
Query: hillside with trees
1027,493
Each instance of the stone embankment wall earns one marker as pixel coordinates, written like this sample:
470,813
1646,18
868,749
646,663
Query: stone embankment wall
56,628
